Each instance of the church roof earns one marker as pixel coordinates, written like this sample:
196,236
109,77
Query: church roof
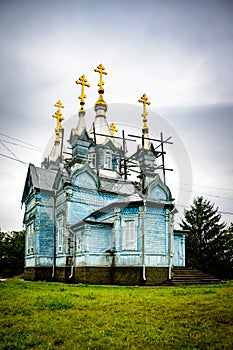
102,130
127,201
55,152
116,186
81,125
91,222
42,178
39,178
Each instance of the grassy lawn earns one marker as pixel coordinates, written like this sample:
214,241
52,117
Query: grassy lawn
40,315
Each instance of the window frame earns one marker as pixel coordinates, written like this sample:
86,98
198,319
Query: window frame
108,160
78,242
92,159
30,238
60,231
130,235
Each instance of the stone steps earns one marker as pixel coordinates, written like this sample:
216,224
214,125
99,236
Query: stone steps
185,276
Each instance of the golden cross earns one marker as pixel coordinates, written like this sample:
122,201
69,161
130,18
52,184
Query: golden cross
59,117
113,128
100,69
83,82
144,100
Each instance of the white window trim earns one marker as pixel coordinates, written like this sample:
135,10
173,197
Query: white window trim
60,231
108,160
92,159
30,238
78,244
130,235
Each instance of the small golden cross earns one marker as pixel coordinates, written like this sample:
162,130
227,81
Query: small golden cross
59,117
83,82
144,100
113,128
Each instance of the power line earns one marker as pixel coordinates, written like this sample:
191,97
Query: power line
40,149
202,193
221,212
188,184
8,149
216,188
17,144
18,160
26,143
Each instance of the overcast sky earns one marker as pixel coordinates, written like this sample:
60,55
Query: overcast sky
180,53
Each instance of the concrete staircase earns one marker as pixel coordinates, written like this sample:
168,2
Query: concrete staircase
187,276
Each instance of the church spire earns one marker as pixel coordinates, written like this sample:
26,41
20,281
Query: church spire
100,69
56,154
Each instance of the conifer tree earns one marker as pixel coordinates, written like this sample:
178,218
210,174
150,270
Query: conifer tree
226,256
208,244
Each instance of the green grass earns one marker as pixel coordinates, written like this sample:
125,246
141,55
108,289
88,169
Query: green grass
40,315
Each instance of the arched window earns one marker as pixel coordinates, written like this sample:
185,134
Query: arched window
108,160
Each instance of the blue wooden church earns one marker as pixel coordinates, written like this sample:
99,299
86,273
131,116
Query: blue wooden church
86,220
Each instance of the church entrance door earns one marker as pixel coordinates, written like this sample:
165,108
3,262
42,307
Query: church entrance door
178,259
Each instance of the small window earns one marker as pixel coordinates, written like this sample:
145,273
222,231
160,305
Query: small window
92,159
117,164
30,238
108,160
78,245
129,236
60,234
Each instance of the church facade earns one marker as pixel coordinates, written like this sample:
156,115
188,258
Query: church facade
86,220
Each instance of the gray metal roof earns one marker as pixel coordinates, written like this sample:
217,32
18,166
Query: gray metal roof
42,178
117,186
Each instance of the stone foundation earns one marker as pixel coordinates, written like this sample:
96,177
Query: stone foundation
117,275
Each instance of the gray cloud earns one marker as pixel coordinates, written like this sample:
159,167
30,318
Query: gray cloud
179,52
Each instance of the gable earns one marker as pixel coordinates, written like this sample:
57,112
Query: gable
61,177
28,188
110,145
31,182
75,136
158,193
85,179
38,178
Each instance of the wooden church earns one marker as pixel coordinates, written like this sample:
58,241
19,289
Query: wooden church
86,220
